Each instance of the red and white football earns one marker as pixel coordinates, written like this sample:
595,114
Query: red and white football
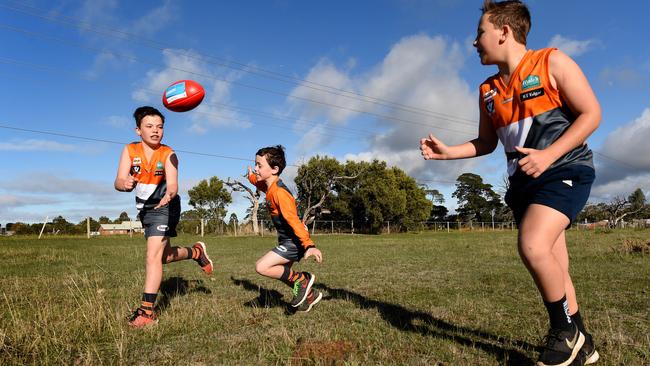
183,95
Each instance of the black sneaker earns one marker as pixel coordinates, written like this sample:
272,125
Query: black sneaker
312,299
301,289
588,353
561,347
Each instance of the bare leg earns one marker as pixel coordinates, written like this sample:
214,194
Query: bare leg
562,256
173,254
153,274
272,265
541,228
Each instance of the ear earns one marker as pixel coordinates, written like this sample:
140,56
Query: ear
137,130
275,170
505,33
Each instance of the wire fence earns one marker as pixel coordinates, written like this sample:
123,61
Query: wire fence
265,227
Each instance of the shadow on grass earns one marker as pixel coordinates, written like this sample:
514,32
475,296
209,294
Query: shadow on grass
423,323
178,286
266,298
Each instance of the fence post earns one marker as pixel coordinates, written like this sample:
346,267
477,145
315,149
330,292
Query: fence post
88,227
352,225
313,227
389,227
202,227
332,226
130,227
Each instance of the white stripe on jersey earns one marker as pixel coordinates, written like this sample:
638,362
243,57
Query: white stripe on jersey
143,192
514,134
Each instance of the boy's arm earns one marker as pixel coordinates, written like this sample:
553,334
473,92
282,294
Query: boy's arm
124,181
171,177
289,212
575,90
485,143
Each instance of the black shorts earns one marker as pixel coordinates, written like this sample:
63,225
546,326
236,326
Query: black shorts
565,189
161,221
287,249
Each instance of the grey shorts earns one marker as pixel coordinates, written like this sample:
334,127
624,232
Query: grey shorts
289,250
162,221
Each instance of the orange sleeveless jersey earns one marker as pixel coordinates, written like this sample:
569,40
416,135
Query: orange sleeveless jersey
283,212
150,175
529,111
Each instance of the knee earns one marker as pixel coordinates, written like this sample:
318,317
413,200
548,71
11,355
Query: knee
260,268
532,252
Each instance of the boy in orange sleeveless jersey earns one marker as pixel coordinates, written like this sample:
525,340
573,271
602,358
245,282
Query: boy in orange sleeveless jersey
294,242
151,168
541,106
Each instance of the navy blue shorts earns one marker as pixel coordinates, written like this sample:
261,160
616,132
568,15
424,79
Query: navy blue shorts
287,249
565,189
161,221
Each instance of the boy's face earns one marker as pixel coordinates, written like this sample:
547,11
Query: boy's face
151,130
263,170
488,39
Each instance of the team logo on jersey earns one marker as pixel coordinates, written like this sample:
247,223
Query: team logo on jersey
531,94
490,106
137,160
530,82
489,94
159,165
136,169
162,227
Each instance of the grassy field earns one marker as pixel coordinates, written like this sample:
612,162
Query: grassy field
411,299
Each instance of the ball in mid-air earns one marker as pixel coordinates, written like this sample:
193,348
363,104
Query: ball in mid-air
183,95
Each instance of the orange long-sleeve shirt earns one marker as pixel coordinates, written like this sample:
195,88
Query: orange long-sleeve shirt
283,212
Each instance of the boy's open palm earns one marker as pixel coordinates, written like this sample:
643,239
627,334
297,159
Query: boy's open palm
314,252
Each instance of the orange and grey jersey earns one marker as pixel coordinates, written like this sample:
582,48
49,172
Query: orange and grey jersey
529,111
150,174
283,212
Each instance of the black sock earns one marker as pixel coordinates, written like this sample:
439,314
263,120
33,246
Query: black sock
148,301
558,313
190,253
577,319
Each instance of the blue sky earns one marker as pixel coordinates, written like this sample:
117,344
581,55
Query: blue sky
349,79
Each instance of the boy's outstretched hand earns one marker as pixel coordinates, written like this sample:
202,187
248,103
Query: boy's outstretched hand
314,252
432,148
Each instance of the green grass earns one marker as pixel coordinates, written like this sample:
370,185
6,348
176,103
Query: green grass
413,299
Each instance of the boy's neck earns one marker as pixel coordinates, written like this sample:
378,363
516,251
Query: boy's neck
270,180
512,60
150,147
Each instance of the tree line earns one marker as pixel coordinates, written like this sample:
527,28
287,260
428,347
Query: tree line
367,194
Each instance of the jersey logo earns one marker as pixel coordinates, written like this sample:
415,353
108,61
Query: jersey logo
137,160
281,248
531,94
568,182
159,165
136,169
162,227
489,94
490,106
530,82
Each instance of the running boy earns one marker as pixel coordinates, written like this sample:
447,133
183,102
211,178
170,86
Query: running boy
151,168
294,242
542,109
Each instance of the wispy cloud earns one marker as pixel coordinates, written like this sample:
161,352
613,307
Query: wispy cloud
572,47
184,64
35,145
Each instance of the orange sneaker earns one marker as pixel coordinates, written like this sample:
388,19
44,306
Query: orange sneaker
141,319
203,260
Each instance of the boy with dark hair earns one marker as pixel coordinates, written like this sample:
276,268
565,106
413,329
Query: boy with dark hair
541,106
294,242
151,168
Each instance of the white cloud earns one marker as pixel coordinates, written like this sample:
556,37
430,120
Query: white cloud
119,121
49,183
157,19
622,162
35,145
419,71
184,64
572,47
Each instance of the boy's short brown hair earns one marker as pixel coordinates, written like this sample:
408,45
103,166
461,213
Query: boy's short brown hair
274,156
144,111
513,13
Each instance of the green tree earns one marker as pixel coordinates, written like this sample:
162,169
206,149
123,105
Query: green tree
476,199
104,220
210,198
122,218
438,210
